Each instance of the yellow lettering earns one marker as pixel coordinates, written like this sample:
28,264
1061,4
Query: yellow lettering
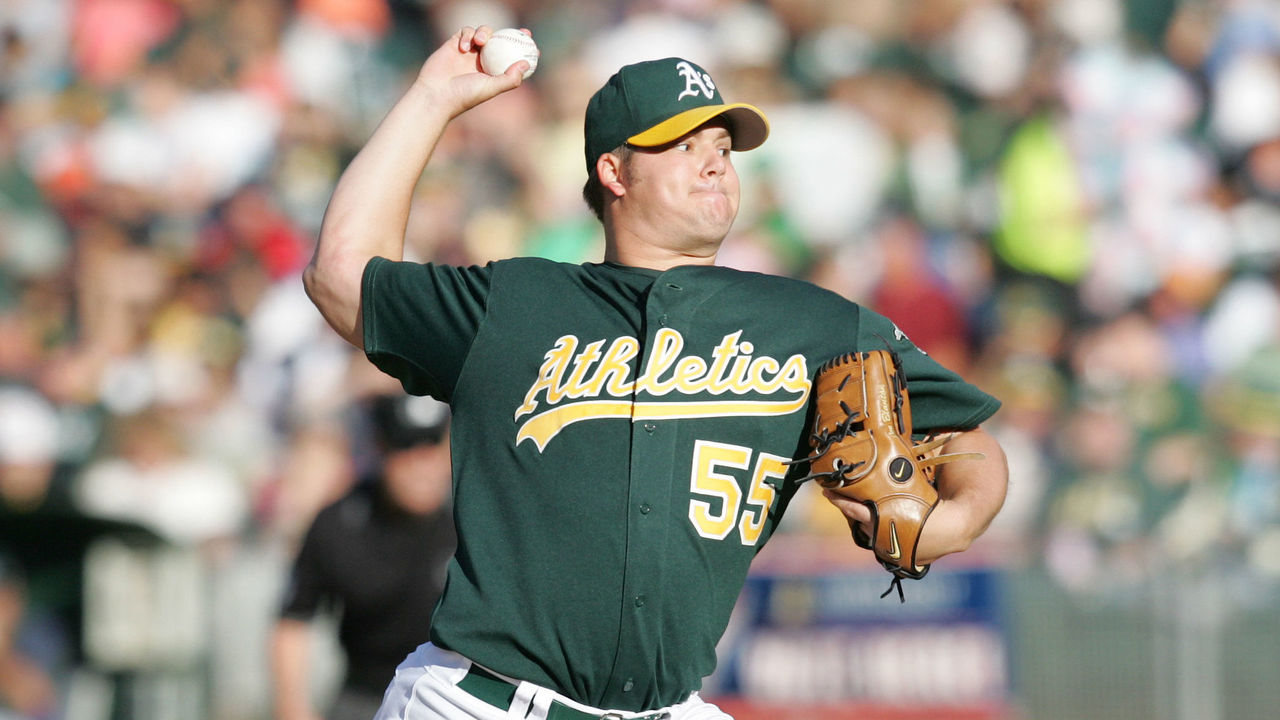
667,346
759,367
728,347
576,387
738,382
614,374
599,382
549,375
691,374
795,374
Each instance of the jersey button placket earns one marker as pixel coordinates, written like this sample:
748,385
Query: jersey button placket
652,474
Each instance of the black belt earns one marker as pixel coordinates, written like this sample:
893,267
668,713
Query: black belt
499,693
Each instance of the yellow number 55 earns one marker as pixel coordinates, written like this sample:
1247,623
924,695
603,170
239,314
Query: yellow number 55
716,520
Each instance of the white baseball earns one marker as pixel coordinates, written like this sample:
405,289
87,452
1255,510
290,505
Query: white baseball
506,47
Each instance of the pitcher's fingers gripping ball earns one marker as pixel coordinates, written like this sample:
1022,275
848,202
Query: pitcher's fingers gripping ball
507,47
862,448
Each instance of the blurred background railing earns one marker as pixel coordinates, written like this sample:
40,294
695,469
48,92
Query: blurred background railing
1075,203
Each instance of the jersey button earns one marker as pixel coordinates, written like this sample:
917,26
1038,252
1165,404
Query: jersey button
640,601
626,687
662,319
645,508
650,427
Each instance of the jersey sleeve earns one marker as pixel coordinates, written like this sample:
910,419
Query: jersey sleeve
420,321
304,595
941,400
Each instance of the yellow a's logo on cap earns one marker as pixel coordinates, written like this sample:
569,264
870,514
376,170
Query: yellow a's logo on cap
694,81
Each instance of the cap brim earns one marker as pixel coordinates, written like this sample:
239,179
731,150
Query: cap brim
747,124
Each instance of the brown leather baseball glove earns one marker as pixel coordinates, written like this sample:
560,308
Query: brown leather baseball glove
862,448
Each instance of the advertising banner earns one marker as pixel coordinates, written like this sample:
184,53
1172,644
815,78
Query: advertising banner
827,645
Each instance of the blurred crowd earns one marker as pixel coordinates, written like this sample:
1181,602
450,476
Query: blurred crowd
1075,203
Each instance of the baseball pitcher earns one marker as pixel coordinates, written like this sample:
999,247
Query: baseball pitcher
627,433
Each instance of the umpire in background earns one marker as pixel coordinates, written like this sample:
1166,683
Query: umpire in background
377,558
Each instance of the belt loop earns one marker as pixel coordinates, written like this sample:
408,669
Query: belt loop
542,699
524,697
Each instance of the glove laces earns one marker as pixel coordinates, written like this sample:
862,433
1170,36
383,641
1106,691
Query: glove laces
896,582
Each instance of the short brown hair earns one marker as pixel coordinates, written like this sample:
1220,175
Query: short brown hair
593,190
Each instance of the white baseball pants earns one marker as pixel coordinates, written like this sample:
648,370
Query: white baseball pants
426,688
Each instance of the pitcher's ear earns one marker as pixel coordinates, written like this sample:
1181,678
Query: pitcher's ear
609,170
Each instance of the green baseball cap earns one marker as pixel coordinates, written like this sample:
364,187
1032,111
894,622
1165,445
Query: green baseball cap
654,102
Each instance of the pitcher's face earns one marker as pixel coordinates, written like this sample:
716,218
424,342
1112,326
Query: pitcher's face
683,195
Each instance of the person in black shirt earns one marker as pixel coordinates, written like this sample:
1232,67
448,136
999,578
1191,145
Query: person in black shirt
377,557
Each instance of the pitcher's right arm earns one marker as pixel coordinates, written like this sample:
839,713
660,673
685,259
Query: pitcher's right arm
369,210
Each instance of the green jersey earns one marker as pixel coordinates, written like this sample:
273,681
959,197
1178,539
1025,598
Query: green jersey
620,444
